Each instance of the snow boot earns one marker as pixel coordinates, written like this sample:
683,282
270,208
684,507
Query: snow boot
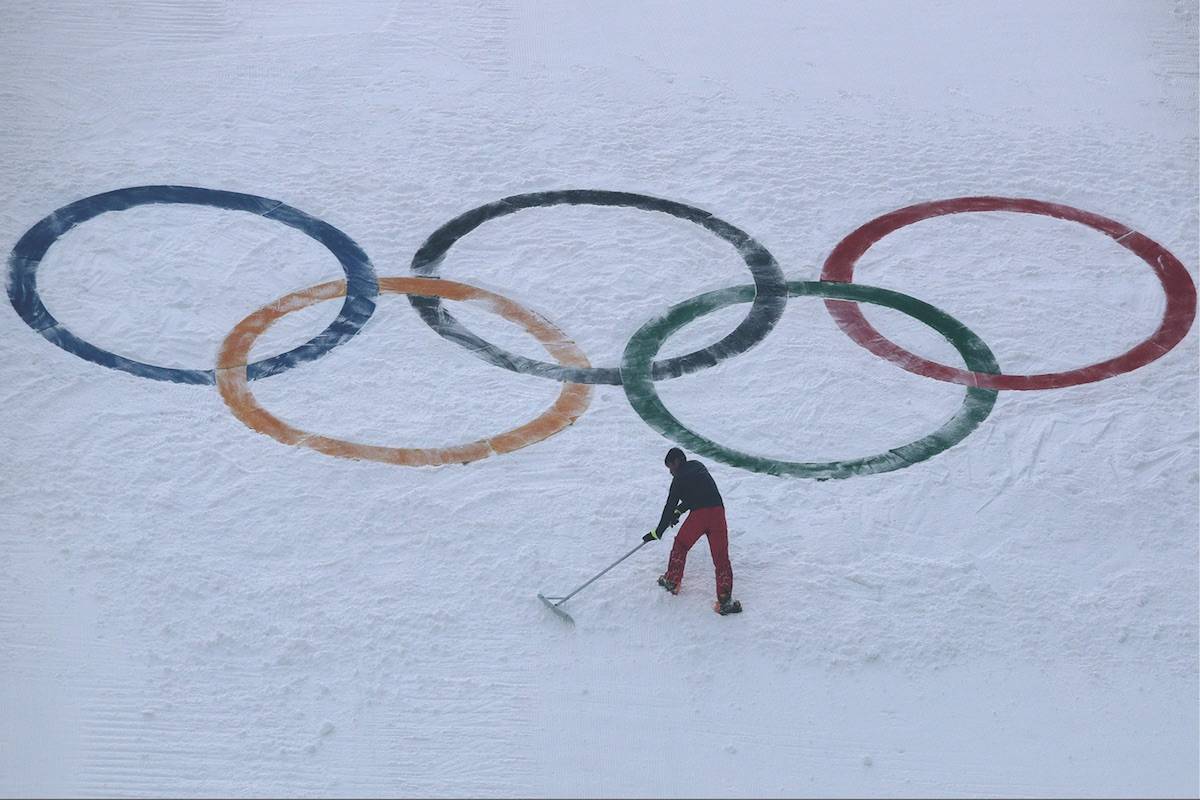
668,584
727,605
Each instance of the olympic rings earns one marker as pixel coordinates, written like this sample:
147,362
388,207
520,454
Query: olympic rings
646,342
572,400
764,311
32,247
638,371
1177,285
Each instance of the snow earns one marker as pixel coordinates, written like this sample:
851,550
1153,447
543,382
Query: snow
188,607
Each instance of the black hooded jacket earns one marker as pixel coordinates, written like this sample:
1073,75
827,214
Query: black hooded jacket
692,487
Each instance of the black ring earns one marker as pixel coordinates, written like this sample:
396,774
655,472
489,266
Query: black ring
769,300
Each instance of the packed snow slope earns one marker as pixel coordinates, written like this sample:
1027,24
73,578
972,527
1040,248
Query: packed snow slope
213,590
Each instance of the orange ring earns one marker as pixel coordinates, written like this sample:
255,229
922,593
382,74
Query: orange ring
235,391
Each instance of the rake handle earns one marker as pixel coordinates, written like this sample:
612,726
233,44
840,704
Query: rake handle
601,572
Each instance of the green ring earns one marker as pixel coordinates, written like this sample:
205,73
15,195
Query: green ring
645,344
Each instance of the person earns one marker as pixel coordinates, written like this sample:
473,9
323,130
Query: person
695,492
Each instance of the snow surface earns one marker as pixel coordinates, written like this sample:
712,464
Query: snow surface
188,607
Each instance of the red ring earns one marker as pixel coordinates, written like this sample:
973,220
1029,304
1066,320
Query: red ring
1176,283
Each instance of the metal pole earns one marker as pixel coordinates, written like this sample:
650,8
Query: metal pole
606,569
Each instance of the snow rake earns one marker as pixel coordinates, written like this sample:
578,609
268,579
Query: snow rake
556,607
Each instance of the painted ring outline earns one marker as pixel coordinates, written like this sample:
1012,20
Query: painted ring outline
765,311
572,400
646,342
1177,284
27,254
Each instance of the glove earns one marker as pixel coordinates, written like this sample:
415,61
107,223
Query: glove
652,536
675,515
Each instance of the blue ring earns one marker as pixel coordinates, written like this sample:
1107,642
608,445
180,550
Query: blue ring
361,284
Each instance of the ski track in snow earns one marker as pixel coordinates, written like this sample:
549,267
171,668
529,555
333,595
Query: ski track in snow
191,608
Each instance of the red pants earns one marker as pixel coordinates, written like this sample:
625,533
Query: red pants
708,522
